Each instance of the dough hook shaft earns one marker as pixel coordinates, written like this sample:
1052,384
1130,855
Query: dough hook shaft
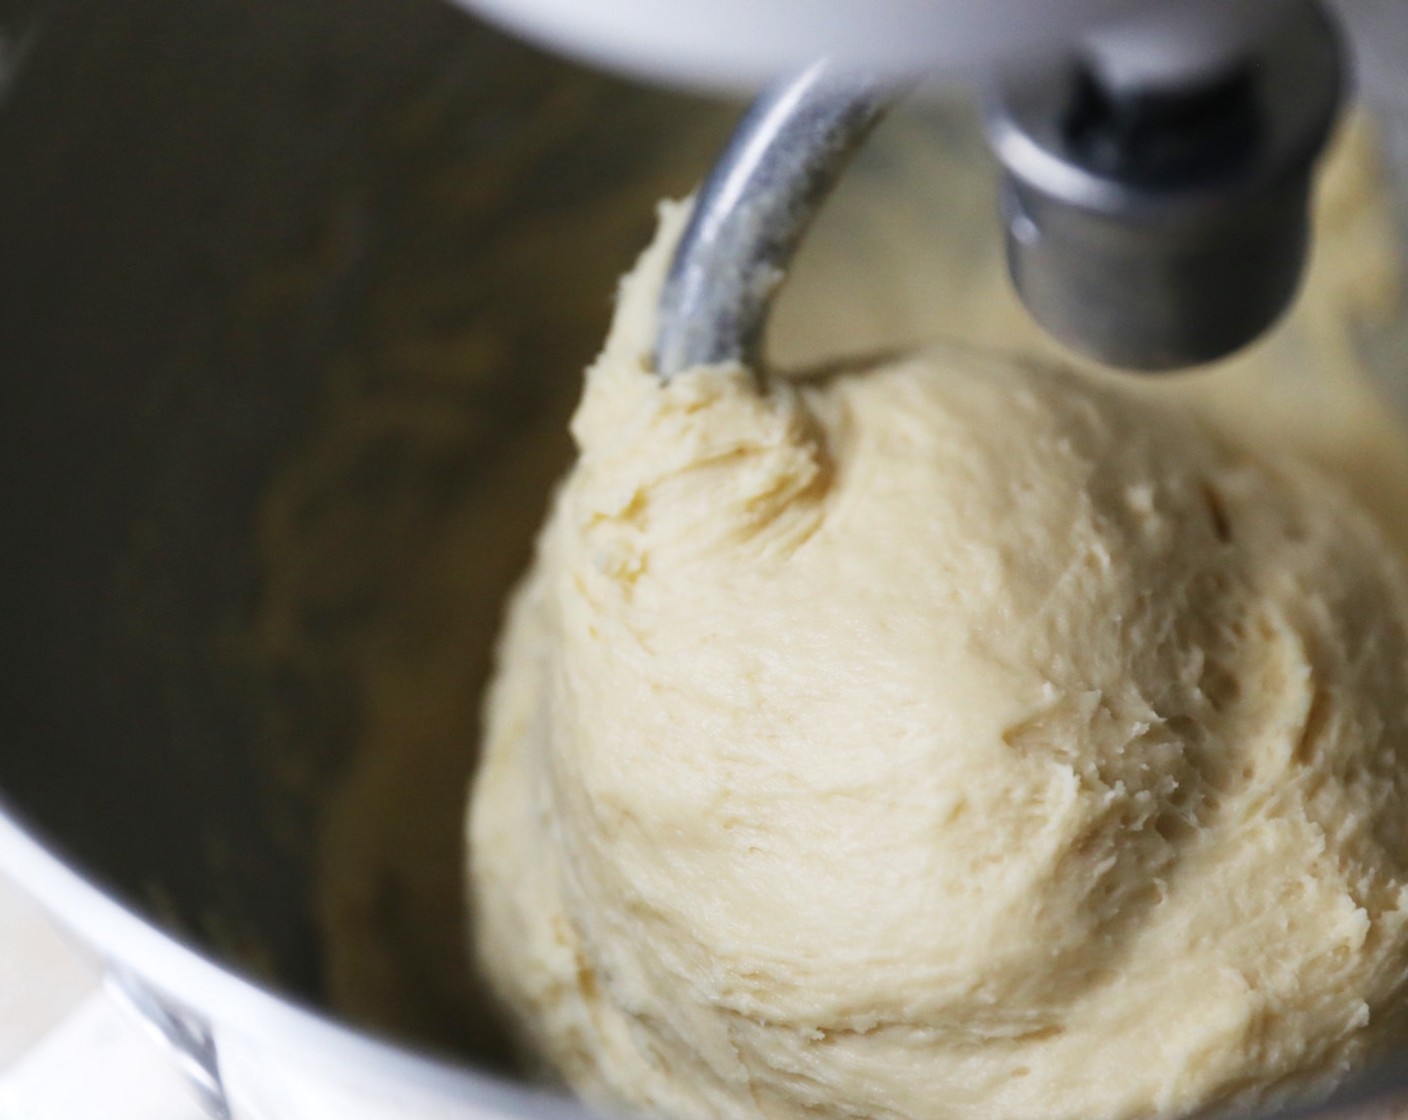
755,207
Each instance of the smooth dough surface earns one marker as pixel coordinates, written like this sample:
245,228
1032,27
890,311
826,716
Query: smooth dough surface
953,737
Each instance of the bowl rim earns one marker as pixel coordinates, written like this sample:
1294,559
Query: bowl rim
223,998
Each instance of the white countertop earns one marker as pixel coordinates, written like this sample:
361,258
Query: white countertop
66,1051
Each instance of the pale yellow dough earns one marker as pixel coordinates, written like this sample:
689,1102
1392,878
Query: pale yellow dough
948,738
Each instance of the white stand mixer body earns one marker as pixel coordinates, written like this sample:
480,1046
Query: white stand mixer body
739,44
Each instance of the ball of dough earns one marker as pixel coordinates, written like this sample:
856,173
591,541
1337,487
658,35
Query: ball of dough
948,738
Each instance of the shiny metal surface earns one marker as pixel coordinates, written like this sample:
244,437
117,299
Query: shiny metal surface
204,211
185,1035
753,210
208,212
1156,233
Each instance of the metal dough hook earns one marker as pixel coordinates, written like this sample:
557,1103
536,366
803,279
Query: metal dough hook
753,210
1151,223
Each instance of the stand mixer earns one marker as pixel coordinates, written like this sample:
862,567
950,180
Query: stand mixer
1158,158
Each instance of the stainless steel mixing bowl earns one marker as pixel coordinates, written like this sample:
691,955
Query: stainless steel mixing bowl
209,212
218,221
